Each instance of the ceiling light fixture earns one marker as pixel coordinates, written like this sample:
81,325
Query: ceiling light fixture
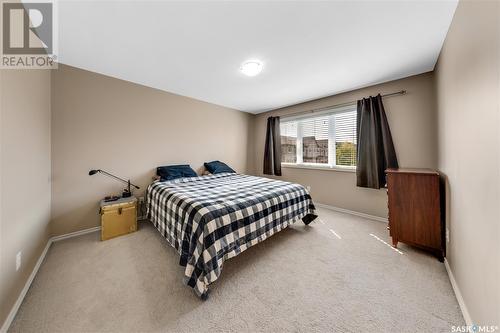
251,67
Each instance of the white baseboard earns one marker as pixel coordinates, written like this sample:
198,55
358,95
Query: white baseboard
75,234
351,212
25,289
27,285
458,294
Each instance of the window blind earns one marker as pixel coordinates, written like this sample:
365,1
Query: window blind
315,140
345,138
288,131
327,139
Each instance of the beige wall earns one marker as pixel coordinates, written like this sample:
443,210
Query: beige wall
129,130
467,80
412,118
25,177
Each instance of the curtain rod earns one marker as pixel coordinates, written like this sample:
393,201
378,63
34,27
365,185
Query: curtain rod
401,92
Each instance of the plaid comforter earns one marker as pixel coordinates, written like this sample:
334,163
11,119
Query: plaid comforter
212,218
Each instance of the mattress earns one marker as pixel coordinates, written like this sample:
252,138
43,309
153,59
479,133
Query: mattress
210,219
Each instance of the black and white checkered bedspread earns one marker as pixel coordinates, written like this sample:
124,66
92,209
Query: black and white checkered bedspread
212,218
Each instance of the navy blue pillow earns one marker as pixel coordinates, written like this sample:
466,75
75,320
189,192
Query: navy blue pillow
217,167
170,172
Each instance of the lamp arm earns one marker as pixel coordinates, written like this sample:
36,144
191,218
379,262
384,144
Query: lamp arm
118,178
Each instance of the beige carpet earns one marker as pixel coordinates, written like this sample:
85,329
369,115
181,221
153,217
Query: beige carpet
304,279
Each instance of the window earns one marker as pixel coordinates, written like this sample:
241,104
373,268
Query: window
288,142
327,139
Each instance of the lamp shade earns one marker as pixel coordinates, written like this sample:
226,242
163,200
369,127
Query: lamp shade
93,172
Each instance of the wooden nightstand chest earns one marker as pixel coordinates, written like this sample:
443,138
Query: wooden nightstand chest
118,217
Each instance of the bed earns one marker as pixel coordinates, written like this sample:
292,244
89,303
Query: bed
209,219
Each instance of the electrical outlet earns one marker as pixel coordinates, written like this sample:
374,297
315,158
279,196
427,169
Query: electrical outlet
18,260
447,235
308,188
141,199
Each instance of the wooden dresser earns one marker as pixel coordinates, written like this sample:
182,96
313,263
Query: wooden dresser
415,209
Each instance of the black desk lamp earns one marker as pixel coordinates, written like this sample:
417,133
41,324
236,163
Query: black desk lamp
126,192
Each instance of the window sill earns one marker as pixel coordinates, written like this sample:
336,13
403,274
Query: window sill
318,167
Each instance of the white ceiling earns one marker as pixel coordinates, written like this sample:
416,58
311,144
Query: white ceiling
309,49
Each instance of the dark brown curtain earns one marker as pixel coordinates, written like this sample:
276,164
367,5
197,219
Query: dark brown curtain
375,147
272,150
